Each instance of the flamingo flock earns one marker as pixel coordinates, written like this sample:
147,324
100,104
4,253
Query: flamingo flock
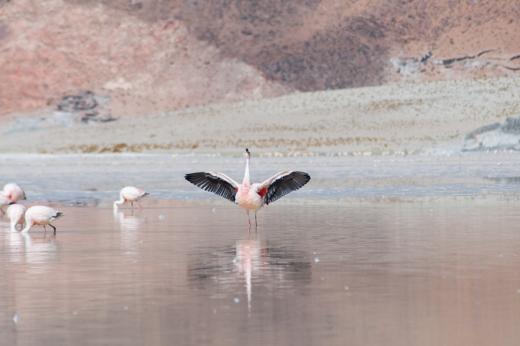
18,214
247,195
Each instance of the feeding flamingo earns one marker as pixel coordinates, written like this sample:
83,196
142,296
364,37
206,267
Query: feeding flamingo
15,214
130,194
3,202
249,196
10,194
40,215
13,192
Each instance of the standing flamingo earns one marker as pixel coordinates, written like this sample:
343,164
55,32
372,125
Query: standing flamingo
246,195
40,215
15,214
13,192
3,202
130,194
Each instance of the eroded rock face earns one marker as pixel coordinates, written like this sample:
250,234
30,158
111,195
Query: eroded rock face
495,136
337,58
330,44
84,101
272,37
325,44
290,44
86,107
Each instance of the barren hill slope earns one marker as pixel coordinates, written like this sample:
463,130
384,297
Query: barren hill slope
153,55
51,48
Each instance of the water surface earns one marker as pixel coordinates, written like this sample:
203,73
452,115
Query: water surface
95,179
424,273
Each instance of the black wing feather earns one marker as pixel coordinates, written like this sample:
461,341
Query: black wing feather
283,185
212,183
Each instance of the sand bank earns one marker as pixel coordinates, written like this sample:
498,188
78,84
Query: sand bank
391,119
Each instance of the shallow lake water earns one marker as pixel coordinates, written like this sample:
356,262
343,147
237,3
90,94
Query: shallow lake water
373,251
96,179
180,273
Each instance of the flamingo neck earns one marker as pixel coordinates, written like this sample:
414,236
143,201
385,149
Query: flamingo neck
120,201
27,227
246,180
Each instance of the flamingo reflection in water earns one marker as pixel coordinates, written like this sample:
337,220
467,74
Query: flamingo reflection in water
250,261
129,226
249,253
25,248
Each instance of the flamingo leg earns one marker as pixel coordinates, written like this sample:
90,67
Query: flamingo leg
132,204
256,223
54,228
248,220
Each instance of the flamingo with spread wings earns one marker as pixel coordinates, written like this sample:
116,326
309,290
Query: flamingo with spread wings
250,196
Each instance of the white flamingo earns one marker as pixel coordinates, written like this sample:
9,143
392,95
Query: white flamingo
130,194
250,196
3,202
40,215
13,192
15,214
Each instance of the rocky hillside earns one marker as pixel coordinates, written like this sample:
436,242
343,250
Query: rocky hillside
152,55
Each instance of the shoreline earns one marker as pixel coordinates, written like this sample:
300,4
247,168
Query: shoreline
96,178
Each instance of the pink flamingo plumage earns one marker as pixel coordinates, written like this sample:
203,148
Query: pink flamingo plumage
130,194
14,192
249,196
40,215
10,194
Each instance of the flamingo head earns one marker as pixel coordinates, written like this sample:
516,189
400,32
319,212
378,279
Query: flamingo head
248,154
